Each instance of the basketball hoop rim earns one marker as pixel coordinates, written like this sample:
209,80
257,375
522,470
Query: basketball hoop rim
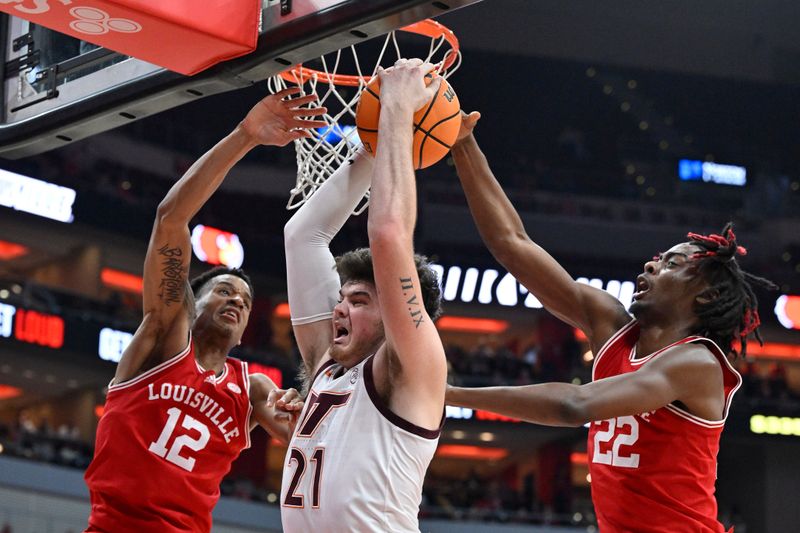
428,28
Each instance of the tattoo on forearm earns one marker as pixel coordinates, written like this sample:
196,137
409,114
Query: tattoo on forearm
413,304
172,275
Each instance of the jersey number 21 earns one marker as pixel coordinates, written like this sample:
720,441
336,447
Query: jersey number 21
320,406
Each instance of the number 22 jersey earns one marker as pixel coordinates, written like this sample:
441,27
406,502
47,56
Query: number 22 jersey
165,441
655,472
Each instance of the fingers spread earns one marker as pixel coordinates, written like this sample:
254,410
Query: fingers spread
301,100
286,92
309,111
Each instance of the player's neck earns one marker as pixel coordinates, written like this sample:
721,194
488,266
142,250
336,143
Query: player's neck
211,353
653,338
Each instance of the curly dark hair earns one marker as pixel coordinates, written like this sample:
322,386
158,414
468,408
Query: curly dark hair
733,313
357,266
199,283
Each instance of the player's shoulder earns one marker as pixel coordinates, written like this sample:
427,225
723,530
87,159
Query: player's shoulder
619,328
687,358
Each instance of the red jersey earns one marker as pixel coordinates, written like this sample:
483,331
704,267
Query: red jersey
164,443
655,471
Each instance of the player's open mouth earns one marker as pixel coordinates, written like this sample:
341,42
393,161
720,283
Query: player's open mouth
341,334
642,286
230,315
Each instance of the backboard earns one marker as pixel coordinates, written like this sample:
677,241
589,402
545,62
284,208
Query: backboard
57,89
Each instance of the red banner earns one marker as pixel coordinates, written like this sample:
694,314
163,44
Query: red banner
186,36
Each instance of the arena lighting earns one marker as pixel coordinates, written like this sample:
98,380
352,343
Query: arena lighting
445,323
579,458
775,425
463,413
217,247
282,311
121,280
272,372
334,134
773,350
787,309
7,392
36,196
488,287
472,325
465,451
99,410
7,313
706,171
11,250
112,344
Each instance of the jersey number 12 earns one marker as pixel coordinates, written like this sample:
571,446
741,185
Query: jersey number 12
173,453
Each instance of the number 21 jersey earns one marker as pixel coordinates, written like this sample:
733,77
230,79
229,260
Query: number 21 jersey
655,471
352,464
165,441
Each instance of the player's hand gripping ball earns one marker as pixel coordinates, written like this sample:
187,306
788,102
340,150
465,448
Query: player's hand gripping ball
436,125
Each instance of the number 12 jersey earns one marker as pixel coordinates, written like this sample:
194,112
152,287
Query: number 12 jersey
165,441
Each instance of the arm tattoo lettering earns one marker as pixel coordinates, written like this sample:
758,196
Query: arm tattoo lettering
172,275
413,304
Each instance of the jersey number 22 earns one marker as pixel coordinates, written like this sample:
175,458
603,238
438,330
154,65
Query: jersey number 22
619,438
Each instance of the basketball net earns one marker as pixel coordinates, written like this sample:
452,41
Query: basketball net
327,148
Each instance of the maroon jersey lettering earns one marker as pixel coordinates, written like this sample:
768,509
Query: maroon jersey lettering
319,408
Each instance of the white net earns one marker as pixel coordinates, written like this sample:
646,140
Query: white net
329,147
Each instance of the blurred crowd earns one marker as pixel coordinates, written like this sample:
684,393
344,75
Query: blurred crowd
60,445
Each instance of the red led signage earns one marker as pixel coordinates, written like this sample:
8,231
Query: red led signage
271,372
494,417
39,328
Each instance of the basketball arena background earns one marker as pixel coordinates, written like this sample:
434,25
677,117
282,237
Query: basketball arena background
615,127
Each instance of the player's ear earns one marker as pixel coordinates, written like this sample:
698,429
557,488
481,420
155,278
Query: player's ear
707,296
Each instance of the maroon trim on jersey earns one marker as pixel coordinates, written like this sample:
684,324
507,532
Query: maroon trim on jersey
156,369
402,423
324,366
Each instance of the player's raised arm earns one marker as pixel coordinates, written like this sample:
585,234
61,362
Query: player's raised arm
412,340
311,277
594,311
167,299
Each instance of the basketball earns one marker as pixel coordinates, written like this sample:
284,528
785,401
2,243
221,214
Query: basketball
436,125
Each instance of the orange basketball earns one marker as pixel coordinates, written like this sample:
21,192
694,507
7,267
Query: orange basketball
436,125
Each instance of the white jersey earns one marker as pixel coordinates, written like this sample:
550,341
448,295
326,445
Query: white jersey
352,464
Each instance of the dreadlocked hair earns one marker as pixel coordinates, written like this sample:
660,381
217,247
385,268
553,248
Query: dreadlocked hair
734,312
